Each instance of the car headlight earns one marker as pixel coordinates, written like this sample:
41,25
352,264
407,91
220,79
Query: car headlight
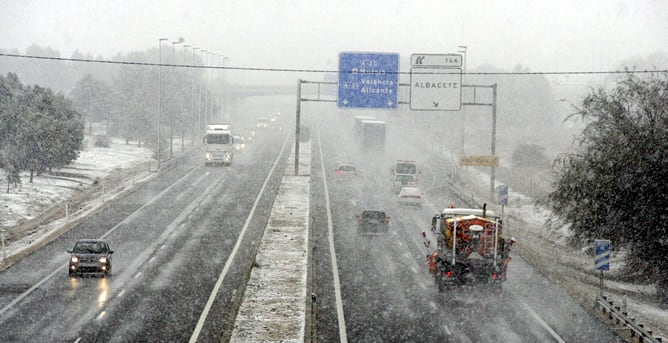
103,259
74,259
227,157
208,156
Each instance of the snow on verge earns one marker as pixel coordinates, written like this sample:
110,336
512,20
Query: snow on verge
273,308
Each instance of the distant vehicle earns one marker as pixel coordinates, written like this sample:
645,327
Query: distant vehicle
276,126
373,135
218,144
403,180
239,142
357,125
262,122
345,171
248,135
411,196
90,256
404,167
373,222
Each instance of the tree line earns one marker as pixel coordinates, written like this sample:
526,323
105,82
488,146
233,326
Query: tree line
124,97
39,129
614,186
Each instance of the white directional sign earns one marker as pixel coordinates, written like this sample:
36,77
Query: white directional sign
436,60
436,89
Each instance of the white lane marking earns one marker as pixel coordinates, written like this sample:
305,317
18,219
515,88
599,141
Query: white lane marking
120,294
66,265
447,330
542,322
228,263
137,275
332,252
151,260
101,315
78,340
163,246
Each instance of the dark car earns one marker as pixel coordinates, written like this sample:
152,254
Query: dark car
90,256
373,222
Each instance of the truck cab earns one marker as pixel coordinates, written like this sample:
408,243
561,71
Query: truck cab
218,144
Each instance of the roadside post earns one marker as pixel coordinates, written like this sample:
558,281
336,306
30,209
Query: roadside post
502,193
602,259
2,237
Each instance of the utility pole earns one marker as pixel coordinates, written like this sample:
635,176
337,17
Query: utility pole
159,96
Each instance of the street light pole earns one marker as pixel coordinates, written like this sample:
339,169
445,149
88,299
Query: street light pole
207,106
222,92
183,126
171,117
203,83
463,49
192,96
159,94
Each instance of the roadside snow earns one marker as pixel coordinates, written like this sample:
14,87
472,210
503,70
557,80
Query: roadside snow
31,200
50,190
527,222
273,307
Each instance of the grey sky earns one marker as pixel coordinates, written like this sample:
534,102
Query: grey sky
551,35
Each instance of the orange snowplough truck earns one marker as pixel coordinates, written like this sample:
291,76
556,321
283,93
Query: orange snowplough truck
470,249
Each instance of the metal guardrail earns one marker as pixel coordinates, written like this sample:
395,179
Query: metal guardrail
616,314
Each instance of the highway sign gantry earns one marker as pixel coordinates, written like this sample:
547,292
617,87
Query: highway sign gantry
368,80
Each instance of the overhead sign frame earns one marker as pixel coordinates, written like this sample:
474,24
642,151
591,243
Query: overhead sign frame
368,80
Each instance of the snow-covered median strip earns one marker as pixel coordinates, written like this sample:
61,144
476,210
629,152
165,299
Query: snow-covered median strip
273,307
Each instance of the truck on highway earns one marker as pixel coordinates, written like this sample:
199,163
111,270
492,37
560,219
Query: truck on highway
373,135
470,249
218,144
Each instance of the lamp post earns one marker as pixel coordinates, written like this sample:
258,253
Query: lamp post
222,90
159,94
171,117
207,107
463,49
203,84
183,127
192,95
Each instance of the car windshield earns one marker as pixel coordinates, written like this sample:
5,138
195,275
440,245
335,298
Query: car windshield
373,215
405,168
410,191
90,248
404,178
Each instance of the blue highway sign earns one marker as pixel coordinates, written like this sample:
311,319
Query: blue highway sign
602,254
368,80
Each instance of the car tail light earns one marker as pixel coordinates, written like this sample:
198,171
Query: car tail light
387,220
494,276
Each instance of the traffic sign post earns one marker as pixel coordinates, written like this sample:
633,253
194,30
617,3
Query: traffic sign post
368,80
601,259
